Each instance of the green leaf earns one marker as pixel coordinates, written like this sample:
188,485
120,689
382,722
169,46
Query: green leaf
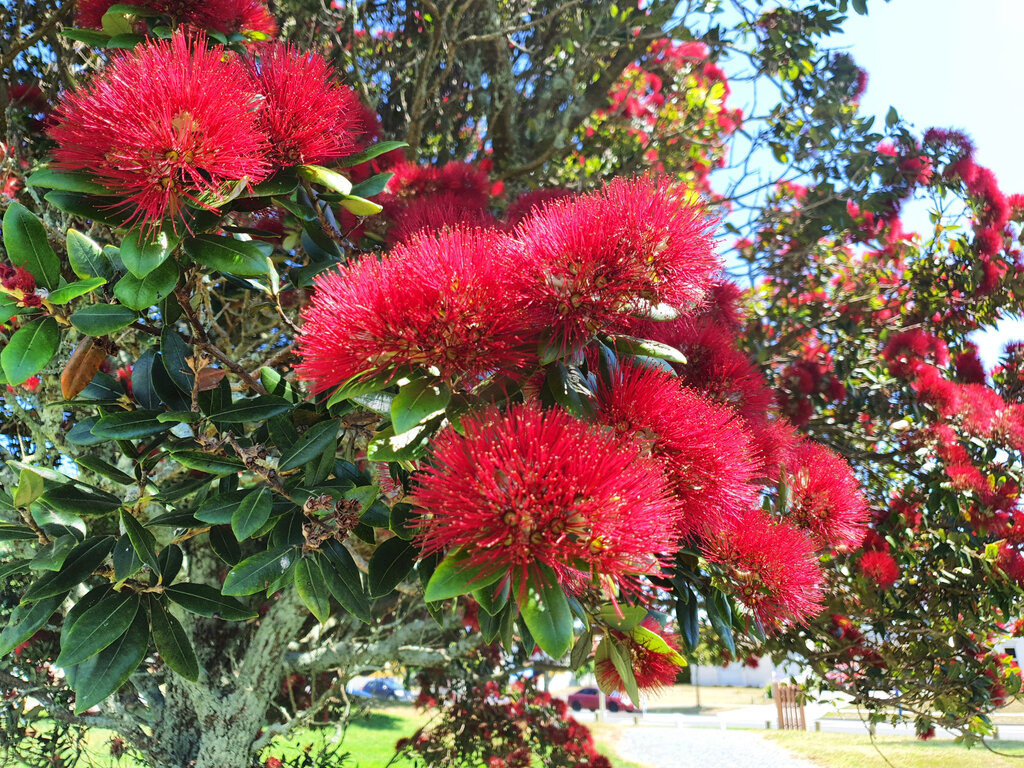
26,620
646,348
312,444
98,627
360,385
103,319
170,560
655,642
546,612
391,562
172,643
417,403
223,253
143,541
102,210
387,446
141,253
631,616
275,384
104,673
74,499
374,150
104,469
252,513
206,601
77,567
51,557
10,532
67,293
128,425
372,186
494,599
581,650
359,206
126,560
343,580
218,509
720,614
29,349
86,257
30,487
326,177
283,182
207,462
27,246
91,37
621,661
253,409
174,352
312,588
71,181
142,293
453,577
256,573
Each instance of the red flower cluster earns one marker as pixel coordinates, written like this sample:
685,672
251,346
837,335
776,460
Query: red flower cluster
653,668
19,283
880,567
825,498
533,488
176,122
437,302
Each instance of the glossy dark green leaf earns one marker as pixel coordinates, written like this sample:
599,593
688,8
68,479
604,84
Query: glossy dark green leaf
71,291
141,293
256,573
208,462
172,643
142,252
253,409
374,150
10,532
418,402
252,513
102,210
70,181
647,348
174,354
218,509
275,384
104,469
390,564
102,387
311,585
343,579
207,601
546,612
453,577
51,557
372,186
27,246
310,446
126,560
102,674
142,540
103,319
224,544
223,253
29,349
128,425
26,620
86,256
81,433
170,560
79,500
79,565
407,446
98,627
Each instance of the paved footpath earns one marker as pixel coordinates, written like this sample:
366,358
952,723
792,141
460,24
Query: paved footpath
703,748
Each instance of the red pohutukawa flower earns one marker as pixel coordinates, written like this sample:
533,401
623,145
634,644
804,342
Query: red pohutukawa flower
437,301
309,117
594,262
532,488
880,567
703,446
825,498
770,566
653,668
168,123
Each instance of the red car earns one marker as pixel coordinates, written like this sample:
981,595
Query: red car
588,698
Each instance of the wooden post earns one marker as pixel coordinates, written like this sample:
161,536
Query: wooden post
788,707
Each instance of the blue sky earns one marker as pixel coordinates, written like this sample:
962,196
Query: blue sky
950,63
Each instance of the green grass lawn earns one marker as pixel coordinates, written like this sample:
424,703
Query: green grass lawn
370,739
843,750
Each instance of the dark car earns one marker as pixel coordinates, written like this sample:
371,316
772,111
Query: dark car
386,688
589,698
